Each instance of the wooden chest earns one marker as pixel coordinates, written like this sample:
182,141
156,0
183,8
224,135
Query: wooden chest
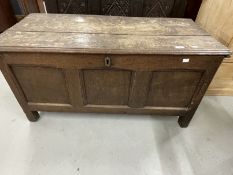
109,64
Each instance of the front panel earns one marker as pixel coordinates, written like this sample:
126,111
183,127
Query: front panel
107,87
42,84
174,88
129,84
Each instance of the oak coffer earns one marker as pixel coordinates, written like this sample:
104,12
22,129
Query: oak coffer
109,64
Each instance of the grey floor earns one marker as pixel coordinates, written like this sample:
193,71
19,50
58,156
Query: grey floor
101,144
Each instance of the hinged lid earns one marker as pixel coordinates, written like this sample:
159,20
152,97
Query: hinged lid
109,34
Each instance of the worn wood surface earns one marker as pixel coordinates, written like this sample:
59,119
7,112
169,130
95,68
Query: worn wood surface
164,68
102,34
216,18
108,24
147,84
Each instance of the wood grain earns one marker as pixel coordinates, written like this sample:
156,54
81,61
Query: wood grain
108,24
47,85
99,34
107,87
109,44
216,18
129,69
140,83
182,83
223,81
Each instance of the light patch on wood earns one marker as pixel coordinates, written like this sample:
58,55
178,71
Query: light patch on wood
185,60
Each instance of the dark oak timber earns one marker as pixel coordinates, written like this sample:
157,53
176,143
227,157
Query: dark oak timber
87,63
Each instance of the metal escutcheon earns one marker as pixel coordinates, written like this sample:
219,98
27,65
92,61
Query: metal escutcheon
107,61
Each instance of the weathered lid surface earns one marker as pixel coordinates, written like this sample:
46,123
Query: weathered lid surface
109,34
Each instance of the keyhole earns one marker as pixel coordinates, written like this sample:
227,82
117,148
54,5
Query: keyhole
107,62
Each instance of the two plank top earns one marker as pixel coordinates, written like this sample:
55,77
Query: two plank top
109,34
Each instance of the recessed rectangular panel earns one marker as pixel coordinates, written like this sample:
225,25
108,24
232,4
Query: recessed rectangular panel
173,88
107,87
42,84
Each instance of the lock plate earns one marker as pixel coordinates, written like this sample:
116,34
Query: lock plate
107,61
